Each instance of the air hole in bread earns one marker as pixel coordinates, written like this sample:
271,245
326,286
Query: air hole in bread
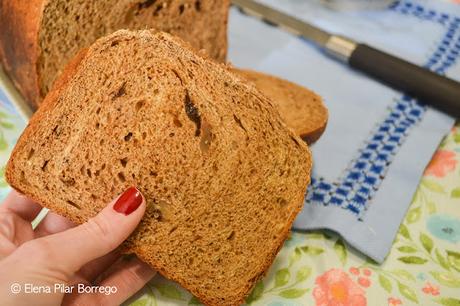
281,201
197,237
101,142
124,161
56,131
88,172
94,197
97,173
177,122
121,91
192,113
181,9
23,178
128,136
98,110
139,105
231,236
171,134
121,177
157,10
144,135
73,204
31,153
198,5
103,167
145,4
98,125
67,181
295,141
153,173
173,229
44,165
238,121
178,76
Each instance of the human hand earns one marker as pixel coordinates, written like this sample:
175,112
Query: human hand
59,255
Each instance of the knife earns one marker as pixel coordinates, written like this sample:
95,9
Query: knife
430,88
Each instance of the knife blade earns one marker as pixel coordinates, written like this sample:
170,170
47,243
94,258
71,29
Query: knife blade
428,87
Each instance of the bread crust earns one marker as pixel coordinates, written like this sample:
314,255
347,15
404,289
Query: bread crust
19,24
49,103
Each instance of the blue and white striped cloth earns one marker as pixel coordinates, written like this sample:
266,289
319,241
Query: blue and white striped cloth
378,141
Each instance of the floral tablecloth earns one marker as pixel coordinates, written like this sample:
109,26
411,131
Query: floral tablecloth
317,268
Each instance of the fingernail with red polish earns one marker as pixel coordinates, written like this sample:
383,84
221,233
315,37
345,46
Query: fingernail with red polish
129,201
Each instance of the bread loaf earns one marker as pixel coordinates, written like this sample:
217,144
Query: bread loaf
38,37
301,109
222,174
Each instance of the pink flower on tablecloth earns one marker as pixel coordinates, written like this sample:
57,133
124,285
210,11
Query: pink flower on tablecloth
442,163
335,287
394,301
431,289
354,271
367,272
365,282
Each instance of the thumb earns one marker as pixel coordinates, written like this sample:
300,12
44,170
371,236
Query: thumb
71,249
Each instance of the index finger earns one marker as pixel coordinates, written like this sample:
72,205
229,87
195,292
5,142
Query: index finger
21,205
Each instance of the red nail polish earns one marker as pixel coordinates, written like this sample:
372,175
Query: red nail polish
128,202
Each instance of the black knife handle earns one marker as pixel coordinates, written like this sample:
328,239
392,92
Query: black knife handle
430,88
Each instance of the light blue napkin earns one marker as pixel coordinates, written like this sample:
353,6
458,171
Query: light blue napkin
378,141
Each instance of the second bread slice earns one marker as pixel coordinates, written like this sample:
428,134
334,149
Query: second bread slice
301,109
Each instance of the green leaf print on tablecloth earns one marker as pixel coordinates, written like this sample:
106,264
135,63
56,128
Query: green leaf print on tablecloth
385,283
454,259
5,126
448,301
11,126
341,250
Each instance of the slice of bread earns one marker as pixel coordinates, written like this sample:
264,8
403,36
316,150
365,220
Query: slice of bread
222,174
301,109
39,37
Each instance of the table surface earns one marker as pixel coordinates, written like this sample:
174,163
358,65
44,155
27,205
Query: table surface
318,268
